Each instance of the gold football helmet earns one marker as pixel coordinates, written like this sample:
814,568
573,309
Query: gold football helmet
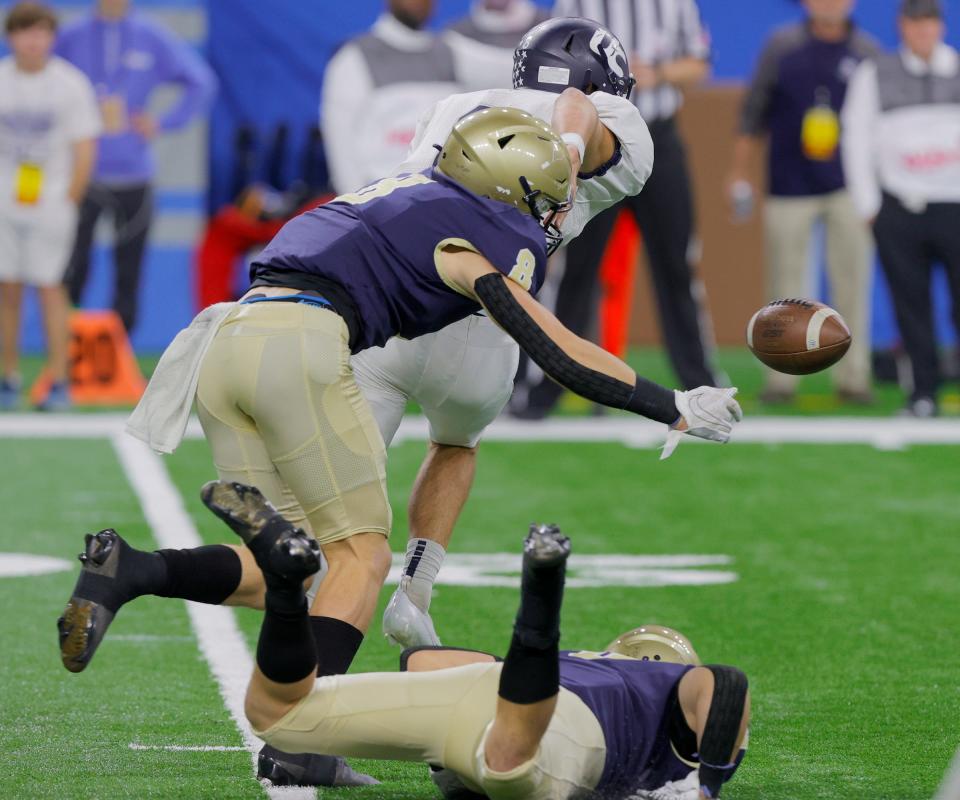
508,155
655,643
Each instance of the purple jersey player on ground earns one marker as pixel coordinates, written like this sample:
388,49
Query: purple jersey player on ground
540,725
275,392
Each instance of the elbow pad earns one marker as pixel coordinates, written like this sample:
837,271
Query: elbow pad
644,397
722,728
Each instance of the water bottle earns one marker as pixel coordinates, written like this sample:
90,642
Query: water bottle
741,200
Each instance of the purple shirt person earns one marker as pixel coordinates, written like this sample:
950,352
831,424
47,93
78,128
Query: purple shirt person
127,57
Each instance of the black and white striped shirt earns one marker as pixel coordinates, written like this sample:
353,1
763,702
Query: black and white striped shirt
656,31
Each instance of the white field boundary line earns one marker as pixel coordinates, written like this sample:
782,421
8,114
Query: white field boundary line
884,433
215,627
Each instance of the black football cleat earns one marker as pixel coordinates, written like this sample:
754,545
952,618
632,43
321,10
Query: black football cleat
308,769
94,601
450,785
280,549
544,547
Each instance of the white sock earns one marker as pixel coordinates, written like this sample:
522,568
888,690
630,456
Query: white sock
420,568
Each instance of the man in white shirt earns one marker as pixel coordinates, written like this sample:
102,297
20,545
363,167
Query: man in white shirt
484,40
376,87
901,150
48,127
462,376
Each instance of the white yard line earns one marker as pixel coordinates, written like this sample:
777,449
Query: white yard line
215,627
884,433
950,790
187,748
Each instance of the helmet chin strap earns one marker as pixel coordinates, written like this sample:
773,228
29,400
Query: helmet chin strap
587,87
552,232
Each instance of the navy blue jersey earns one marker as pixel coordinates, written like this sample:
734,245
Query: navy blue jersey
801,78
381,245
630,699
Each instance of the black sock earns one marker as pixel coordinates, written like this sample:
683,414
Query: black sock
285,651
531,670
208,574
530,674
541,595
337,643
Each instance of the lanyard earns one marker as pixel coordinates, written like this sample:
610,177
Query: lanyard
111,75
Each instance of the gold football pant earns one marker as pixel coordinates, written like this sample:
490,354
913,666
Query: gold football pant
278,403
442,717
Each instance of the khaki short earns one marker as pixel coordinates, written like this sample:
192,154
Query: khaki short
281,410
442,718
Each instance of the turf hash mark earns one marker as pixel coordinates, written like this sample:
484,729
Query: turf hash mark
22,565
585,571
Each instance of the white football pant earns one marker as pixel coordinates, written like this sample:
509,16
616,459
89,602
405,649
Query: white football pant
461,377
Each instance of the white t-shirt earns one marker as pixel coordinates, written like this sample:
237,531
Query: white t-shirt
367,127
624,178
42,114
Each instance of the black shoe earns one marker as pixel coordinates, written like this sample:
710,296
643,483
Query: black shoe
777,397
856,397
282,551
529,413
545,546
308,769
87,615
920,408
450,785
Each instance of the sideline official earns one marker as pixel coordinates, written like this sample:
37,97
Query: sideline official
901,149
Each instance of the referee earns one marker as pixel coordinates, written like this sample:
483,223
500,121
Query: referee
669,50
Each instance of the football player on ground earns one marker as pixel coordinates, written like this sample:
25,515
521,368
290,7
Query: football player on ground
542,724
565,70
277,399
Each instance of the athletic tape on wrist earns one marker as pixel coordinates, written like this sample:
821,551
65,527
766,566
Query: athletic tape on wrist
575,140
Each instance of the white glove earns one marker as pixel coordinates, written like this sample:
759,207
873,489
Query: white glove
687,789
710,413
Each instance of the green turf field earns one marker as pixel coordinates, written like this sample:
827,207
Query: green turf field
844,614
815,395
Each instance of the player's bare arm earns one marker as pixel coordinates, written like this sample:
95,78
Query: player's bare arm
574,114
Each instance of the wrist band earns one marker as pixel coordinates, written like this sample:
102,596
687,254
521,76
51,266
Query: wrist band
575,140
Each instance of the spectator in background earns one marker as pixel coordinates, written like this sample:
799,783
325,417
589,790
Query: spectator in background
795,96
483,41
669,50
901,150
48,129
375,89
127,56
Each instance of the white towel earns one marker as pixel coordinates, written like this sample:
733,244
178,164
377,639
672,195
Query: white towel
161,416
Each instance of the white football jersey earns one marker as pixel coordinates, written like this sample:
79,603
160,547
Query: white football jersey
625,176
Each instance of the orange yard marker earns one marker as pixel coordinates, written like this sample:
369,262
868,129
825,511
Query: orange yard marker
103,369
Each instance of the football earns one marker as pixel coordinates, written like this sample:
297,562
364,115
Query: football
798,336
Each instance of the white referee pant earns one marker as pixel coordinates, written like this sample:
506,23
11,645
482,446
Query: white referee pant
461,377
